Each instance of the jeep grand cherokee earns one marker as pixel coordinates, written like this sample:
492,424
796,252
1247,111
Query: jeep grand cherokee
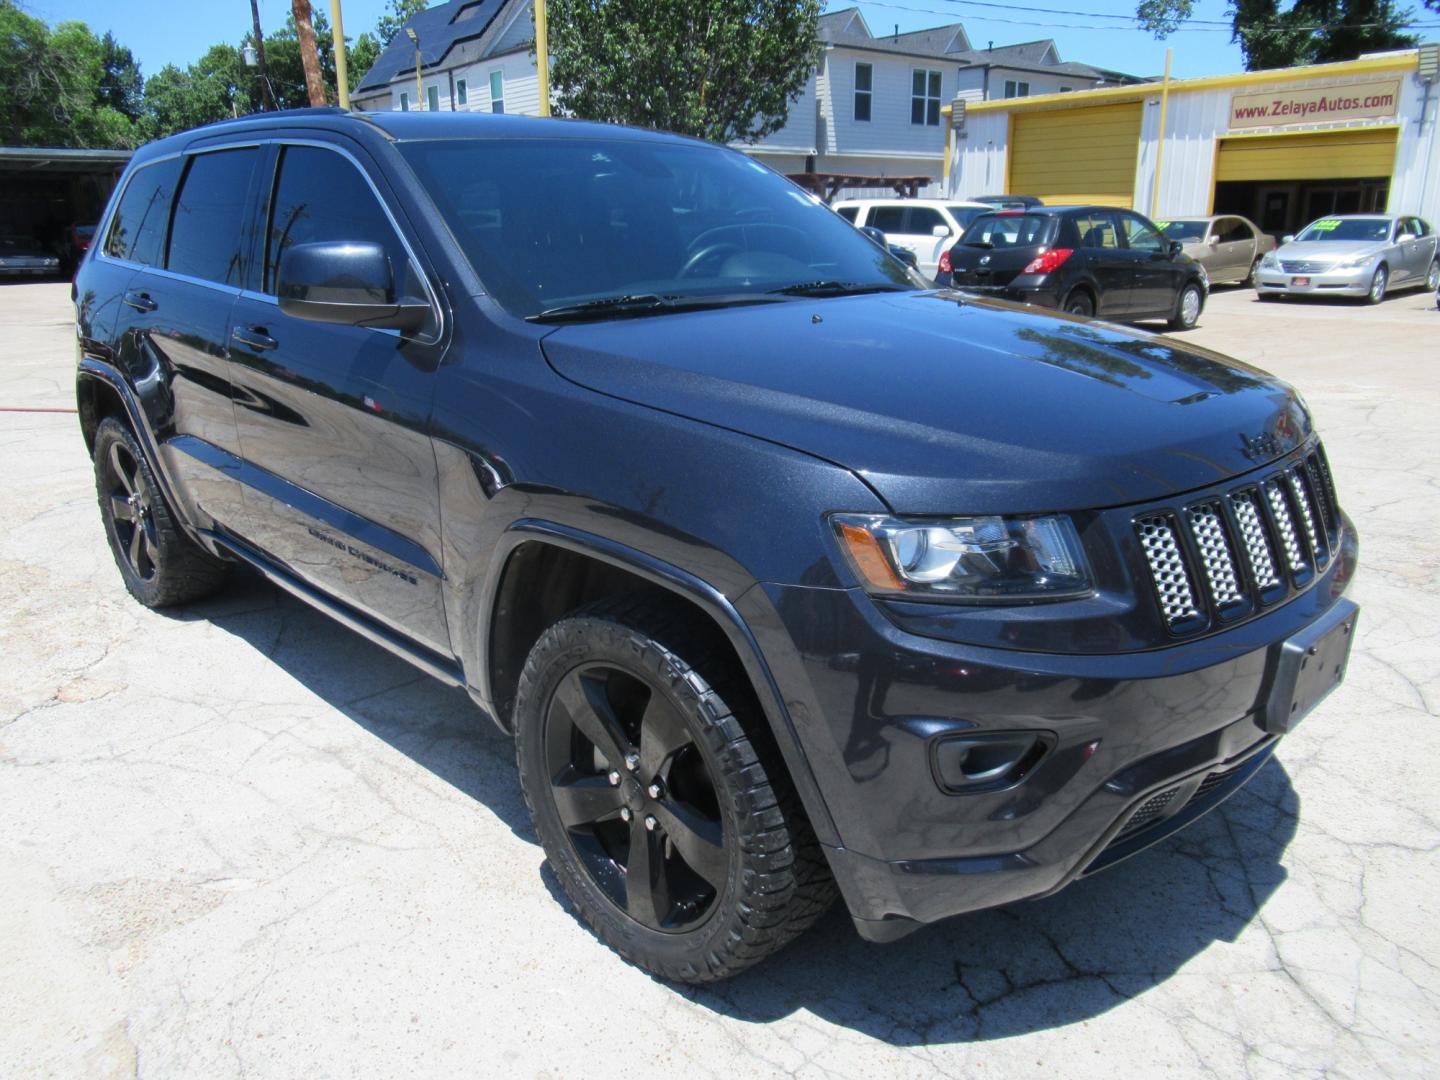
789,578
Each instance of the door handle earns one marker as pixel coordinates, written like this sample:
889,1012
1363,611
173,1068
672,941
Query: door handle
254,337
140,301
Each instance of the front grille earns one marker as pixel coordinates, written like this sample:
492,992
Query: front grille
1302,267
1151,809
1230,553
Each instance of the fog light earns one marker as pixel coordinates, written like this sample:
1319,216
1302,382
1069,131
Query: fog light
987,761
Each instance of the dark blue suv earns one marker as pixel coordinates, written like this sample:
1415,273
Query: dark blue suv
790,578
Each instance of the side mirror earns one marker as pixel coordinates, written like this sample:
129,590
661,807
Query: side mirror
1175,247
1213,241
877,235
347,283
1287,238
940,231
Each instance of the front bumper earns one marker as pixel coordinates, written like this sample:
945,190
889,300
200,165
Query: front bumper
869,702
1354,281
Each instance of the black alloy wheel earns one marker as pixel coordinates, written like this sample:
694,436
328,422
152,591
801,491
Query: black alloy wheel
637,801
159,564
658,793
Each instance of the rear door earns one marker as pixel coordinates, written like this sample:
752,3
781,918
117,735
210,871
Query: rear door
340,476
1415,250
176,321
1112,266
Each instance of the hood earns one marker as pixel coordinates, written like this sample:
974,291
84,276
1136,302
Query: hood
951,404
1329,250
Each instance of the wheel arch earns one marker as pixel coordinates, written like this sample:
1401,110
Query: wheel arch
540,570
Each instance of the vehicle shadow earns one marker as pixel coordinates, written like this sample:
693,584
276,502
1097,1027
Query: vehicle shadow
991,975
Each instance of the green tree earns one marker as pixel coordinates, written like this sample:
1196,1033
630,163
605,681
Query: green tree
1307,32
723,70
122,87
361,57
396,16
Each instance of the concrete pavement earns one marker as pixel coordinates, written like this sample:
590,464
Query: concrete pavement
238,840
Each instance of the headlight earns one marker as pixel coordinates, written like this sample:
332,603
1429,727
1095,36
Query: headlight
971,559
1270,259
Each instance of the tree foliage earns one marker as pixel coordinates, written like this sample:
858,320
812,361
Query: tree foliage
397,14
723,70
1306,32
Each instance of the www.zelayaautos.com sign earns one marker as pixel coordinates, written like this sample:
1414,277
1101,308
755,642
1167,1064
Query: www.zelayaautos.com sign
1353,101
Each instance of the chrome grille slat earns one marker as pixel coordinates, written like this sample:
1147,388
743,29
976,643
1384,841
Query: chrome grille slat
1167,569
1208,529
1298,487
1257,544
1289,541
1298,266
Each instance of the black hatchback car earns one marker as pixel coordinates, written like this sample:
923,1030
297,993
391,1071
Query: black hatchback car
1085,260
791,579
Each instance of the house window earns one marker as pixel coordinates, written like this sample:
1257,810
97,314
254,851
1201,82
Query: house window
497,91
404,102
1066,89
1016,89
461,98
432,98
925,97
864,76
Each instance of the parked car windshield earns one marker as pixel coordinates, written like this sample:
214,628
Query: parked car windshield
1184,230
549,223
1347,229
1006,230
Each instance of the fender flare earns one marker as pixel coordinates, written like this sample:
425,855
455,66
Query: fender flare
704,595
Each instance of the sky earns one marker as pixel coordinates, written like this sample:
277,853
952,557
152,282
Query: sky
156,36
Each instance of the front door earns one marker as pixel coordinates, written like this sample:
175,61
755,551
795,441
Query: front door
340,476
1157,275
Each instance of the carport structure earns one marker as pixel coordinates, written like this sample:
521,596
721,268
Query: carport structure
44,190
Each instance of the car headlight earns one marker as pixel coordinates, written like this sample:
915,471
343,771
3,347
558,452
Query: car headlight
987,559
1270,260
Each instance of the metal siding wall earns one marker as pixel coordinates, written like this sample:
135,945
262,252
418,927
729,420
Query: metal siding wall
1415,188
977,164
1187,172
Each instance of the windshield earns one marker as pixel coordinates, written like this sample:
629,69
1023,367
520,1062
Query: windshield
1006,230
1184,230
550,223
1347,229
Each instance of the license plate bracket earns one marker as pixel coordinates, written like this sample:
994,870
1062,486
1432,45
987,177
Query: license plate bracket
1300,280
1310,665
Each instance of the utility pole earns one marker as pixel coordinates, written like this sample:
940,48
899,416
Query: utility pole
267,93
309,55
542,54
342,67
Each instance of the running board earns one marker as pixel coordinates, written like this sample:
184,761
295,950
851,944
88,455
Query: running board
446,670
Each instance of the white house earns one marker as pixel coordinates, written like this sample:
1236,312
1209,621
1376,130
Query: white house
872,105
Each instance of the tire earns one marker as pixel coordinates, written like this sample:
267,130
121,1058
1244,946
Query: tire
1432,276
1188,306
159,564
1267,297
1079,303
1378,284
747,877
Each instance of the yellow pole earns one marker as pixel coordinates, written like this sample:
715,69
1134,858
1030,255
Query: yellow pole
949,134
1160,139
419,82
342,74
542,55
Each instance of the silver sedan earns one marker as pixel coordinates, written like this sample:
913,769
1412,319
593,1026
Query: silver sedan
1352,255
1228,246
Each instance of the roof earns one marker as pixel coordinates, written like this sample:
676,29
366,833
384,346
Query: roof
439,29
57,159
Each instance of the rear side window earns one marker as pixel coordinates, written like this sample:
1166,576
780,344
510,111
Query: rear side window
922,219
209,216
1096,231
320,197
848,213
1232,231
138,231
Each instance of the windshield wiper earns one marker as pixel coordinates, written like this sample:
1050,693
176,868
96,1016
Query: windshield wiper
618,307
837,288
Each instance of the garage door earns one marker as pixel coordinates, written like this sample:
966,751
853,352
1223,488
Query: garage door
1315,155
1076,155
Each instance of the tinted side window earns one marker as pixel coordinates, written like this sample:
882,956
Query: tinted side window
887,218
1096,231
848,213
921,219
209,215
321,196
138,231
1141,235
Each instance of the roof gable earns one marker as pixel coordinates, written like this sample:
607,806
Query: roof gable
439,29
